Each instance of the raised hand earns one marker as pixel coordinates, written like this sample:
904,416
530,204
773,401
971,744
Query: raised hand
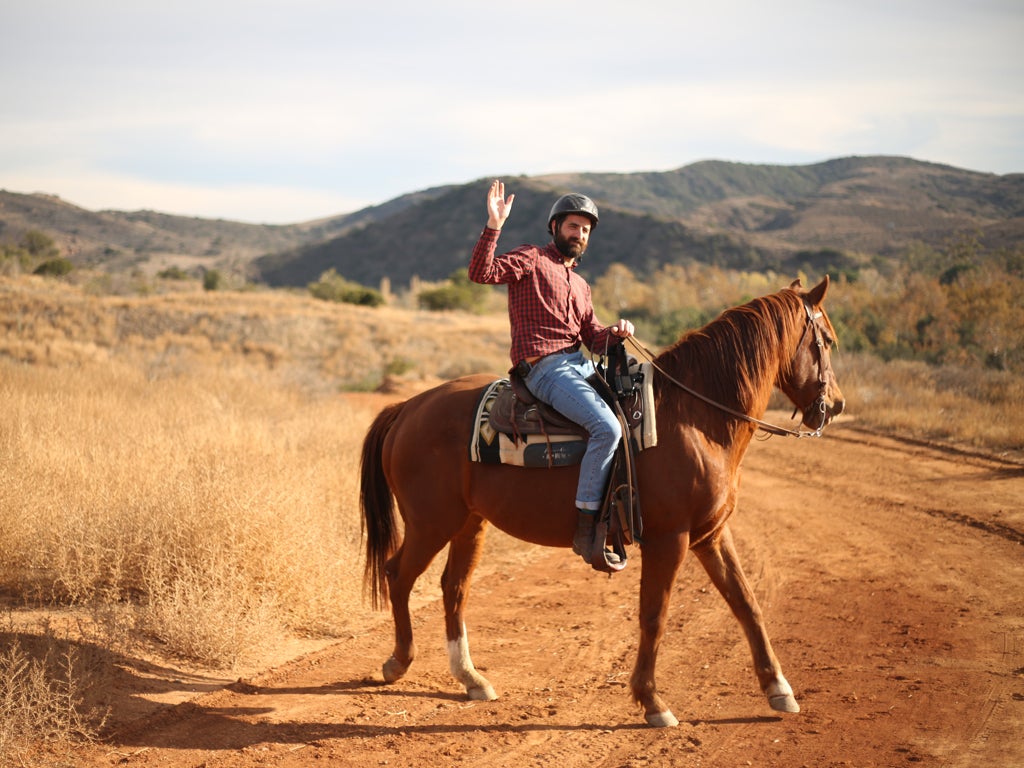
498,206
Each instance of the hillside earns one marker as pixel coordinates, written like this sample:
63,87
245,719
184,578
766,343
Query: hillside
830,216
151,241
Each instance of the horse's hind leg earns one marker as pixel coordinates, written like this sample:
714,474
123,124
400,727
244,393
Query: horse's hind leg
719,558
402,570
463,556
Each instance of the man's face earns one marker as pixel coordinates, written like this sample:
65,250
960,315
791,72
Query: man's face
572,235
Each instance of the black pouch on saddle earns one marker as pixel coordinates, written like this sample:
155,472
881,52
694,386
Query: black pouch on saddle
617,374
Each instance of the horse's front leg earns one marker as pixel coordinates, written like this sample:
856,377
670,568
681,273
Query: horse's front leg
661,558
463,556
719,558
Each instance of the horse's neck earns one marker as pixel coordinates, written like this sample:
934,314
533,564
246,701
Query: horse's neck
701,370
723,390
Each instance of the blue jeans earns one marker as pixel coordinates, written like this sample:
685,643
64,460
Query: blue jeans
561,381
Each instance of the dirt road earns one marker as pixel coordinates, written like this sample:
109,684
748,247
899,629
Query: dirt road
891,575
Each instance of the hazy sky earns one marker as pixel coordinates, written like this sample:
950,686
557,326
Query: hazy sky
287,110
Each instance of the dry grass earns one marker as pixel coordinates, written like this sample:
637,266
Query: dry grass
48,691
214,500
975,409
182,468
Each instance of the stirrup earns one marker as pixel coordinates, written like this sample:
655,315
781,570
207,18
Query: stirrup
601,558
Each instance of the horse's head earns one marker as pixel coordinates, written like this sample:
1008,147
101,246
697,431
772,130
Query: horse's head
809,380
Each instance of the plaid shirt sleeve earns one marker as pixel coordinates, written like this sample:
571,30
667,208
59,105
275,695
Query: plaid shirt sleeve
484,267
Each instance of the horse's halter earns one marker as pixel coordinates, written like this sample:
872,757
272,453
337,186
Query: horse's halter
812,318
819,403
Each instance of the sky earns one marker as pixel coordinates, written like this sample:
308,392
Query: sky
284,111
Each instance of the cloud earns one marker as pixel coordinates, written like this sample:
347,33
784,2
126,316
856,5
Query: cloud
252,203
333,101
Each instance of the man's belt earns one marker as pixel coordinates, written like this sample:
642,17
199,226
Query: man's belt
523,367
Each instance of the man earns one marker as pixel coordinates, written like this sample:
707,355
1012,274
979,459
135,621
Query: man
551,314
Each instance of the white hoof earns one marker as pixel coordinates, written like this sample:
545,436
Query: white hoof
393,670
662,719
780,696
784,703
481,693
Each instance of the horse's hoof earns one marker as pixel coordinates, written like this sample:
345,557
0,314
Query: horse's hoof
780,696
784,702
481,693
662,719
394,670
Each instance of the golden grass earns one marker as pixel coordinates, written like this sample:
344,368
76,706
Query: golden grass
215,494
970,409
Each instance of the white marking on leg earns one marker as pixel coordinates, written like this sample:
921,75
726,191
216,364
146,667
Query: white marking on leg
459,661
462,669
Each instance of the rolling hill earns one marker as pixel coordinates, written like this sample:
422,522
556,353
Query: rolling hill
835,215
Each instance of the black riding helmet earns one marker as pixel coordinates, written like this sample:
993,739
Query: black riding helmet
573,203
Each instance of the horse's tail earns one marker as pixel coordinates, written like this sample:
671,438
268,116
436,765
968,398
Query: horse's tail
378,523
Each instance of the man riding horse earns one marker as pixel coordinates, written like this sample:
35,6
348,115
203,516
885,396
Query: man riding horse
551,314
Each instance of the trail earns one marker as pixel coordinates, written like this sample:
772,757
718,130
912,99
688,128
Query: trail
891,577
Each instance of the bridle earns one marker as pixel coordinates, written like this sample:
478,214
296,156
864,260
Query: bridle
819,403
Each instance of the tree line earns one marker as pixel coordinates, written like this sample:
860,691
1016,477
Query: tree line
961,304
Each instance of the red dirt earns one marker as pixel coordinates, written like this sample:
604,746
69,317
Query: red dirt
891,577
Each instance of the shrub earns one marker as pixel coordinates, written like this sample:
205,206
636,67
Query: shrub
173,273
54,268
39,244
460,293
43,696
333,287
213,280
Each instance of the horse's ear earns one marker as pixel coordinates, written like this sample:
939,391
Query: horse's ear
817,294
796,285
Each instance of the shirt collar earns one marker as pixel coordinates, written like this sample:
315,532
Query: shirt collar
552,252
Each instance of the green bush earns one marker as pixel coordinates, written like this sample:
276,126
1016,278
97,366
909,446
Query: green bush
460,293
40,245
213,280
54,268
173,273
333,287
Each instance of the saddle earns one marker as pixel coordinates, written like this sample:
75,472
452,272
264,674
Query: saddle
517,413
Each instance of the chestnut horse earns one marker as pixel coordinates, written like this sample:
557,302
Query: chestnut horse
711,389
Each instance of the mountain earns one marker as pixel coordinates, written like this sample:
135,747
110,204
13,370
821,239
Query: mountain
835,215
148,240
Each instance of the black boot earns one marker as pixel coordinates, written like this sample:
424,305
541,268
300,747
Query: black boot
583,540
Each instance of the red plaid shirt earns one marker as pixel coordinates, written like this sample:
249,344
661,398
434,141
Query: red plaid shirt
549,305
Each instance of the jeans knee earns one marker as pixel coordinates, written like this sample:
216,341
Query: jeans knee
606,425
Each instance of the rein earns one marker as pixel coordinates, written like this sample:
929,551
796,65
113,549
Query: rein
763,425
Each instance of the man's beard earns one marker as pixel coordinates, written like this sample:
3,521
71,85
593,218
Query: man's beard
570,249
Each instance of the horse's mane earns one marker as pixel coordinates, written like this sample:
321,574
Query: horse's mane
731,357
